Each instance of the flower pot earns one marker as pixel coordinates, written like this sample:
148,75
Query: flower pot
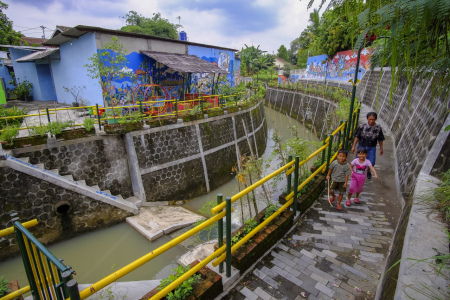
75,104
122,128
25,141
157,122
76,133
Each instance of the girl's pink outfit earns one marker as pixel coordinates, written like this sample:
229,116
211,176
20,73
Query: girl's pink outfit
358,175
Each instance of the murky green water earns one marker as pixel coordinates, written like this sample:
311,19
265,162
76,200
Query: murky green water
96,254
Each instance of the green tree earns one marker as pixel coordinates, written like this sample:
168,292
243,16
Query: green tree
156,25
248,55
287,70
283,53
8,36
107,65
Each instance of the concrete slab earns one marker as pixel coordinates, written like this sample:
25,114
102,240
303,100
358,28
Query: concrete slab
124,290
153,222
226,281
200,252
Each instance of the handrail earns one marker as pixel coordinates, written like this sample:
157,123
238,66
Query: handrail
17,293
10,230
146,258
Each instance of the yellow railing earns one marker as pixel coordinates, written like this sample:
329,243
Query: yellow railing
219,214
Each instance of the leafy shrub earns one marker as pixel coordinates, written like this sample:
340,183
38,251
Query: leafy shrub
131,117
270,210
9,133
23,89
11,112
56,127
3,286
88,123
183,290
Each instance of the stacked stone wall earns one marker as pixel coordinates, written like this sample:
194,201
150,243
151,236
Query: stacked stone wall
61,213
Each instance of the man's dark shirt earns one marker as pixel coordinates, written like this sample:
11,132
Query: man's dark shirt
369,136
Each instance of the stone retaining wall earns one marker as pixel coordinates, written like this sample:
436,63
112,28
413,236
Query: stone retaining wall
181,161
314,112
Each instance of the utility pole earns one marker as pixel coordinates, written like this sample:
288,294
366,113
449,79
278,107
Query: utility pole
43,33
179,24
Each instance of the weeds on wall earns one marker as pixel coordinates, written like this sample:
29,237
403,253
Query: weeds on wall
185,289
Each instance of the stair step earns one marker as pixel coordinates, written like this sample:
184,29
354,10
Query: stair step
107,192
70,177
56,171
25,159
94,187
136,201
42,166
83,182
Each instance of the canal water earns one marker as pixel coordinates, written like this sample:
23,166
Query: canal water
97,254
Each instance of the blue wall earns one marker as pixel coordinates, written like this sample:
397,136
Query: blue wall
45,82
70,71
25,71
224,59
4,72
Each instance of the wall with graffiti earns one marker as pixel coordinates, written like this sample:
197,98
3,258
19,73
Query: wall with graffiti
141,70
224,59
341,67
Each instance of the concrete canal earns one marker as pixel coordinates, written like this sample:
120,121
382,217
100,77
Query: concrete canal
96,254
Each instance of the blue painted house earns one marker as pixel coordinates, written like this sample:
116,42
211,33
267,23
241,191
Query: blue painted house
62,66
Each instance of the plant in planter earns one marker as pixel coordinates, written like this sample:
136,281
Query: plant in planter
23,90
9,133
3,286
56,127
88,123
183,290
75,92
11,112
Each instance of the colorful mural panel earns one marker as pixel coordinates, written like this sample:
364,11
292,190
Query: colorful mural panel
341,67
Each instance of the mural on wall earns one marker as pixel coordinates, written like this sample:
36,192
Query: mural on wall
341,67
237,71
141,69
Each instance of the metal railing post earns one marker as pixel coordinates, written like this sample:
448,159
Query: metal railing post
140,110
289,181
48,115
228,237
98,118
201,103
330,148
72,287
323,152
66,276
294,203
220,230
339,136
344,138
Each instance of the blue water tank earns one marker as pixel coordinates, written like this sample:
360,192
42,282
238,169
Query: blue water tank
183,36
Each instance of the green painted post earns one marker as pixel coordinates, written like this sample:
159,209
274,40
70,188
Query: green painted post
323,152
350,121
48,115
228,236
289,181
344,138
339,136
72,287
98,118
26,262
294,204
330,149
66,277
220,230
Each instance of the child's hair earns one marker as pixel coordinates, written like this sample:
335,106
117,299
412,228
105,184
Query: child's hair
362,150
343,151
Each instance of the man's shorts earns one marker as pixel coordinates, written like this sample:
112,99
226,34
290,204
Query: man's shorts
339,186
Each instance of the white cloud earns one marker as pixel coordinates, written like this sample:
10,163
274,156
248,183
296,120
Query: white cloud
207,26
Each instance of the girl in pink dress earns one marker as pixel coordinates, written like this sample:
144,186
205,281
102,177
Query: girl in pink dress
359,167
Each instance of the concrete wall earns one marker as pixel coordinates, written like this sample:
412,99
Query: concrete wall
33,198
314,112
25,71
417,127
70,71
181,161
45,82
4,73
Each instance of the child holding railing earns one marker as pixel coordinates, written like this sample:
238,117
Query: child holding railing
339,171
359,168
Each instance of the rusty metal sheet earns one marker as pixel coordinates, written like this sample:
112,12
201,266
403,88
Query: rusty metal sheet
184,63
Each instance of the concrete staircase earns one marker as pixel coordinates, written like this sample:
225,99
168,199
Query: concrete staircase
22,164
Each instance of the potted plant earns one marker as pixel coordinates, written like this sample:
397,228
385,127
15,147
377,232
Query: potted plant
127,122
23,91
75,92
8,135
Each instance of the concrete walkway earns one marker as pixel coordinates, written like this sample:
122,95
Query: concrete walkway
331,254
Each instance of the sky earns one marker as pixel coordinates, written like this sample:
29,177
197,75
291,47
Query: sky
229,23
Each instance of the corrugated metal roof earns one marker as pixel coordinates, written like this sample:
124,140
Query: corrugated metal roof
37,55
184,63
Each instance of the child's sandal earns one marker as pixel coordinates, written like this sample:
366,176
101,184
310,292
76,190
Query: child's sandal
356,200
348,203
338,207
332,198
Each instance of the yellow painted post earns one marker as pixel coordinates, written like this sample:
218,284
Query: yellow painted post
220,231
228,233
